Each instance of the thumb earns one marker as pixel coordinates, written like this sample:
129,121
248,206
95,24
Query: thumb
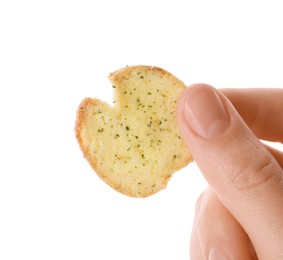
237,166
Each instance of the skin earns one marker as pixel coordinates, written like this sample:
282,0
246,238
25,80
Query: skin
240,214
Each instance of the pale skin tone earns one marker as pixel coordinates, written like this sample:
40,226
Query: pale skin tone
240,214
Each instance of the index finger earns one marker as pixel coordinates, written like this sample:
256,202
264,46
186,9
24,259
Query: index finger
261,109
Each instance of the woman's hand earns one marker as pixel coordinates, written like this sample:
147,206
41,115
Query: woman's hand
240,215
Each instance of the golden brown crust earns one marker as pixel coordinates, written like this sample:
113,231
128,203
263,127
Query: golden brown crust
134,146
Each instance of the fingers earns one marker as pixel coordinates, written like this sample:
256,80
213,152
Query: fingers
261,109
195,248
216,234
245,176
278,155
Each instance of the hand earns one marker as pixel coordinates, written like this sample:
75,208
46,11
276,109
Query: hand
240,215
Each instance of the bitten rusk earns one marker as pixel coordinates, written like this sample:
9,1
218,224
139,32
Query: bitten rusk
134,145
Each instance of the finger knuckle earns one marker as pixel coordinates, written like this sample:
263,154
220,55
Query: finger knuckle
256,174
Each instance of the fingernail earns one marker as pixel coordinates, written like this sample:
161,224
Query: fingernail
217,254
205,112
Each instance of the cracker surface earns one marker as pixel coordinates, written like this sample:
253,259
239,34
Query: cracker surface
134,145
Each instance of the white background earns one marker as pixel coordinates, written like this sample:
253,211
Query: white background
55,53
